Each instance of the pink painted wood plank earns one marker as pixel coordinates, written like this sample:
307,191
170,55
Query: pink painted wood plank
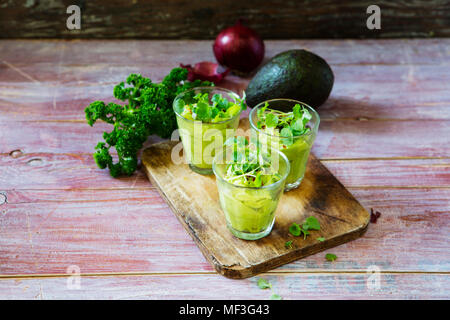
391,173
401,51
362,139
45,231
58,80
402,92
61,171
75,171
336,139
290,286
132,230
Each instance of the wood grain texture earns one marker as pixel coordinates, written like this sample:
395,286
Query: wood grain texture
351,98
161,53
194,200
122,231
62,210
47,171
314,286
61,78
335,140
199,19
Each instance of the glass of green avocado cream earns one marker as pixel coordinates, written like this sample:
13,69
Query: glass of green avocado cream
206,117
289,126
250,184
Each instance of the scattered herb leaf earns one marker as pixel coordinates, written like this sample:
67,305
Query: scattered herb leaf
305,233
321,239
295,229
330,257
275,297
288,244
311,223
264,284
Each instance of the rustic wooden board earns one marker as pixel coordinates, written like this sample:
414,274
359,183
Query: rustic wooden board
194,200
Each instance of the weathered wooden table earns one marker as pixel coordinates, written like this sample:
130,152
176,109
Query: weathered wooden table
385,133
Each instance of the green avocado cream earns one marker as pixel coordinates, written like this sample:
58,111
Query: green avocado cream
199,139
297,154
250,187
249,211
205,120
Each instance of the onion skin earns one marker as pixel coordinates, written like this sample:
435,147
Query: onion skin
206,71
239,48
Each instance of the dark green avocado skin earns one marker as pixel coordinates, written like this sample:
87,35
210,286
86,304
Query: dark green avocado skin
293,74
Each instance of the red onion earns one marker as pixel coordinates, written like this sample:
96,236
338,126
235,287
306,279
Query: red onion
205,70
239,48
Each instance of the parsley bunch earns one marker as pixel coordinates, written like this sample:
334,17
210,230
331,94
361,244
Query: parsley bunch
249,167
148,111
284,124
219,109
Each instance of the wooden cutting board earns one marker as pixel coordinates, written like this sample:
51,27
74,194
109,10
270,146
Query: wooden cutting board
194,200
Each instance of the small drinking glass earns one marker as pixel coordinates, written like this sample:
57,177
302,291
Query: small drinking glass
250,211
201,140
298,151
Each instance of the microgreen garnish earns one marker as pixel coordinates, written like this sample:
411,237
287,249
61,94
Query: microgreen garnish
264,284
330,256
285,124
249,167
216,109
320,239
288,244
311,223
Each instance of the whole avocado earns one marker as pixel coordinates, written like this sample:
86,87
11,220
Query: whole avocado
293,74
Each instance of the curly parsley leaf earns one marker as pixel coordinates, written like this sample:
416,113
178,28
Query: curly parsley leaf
148,110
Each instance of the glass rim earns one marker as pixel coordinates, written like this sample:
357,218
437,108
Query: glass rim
206,88
259,105
284,177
